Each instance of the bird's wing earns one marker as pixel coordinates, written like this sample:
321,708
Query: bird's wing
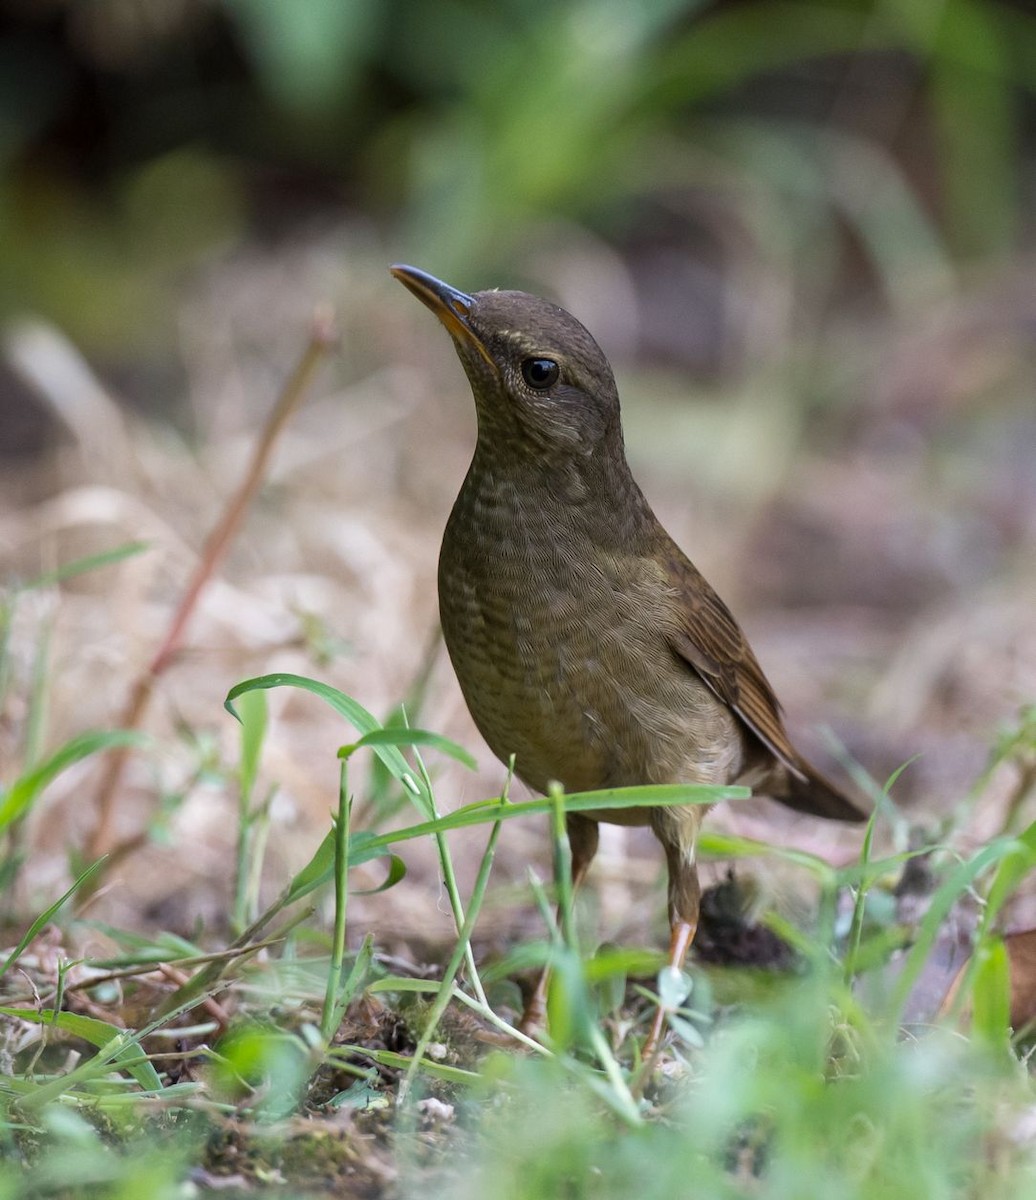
710,640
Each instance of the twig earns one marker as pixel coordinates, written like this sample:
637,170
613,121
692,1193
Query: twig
321,339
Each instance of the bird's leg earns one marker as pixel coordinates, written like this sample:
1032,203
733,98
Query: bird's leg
681,936
677,830
583,836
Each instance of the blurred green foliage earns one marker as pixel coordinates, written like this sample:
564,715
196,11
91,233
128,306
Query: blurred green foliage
137,140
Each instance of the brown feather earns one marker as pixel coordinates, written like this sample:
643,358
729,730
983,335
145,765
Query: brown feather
587,646
711,642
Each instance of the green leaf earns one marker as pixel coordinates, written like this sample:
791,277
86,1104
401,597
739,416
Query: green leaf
364,846
355,714
942,901
1012,869
315,873
622,961
722,845
991,994
403,983
353,982
25,790
320,867
389,1058
129,1057
402,736
138,948
252,714
44,918
396,871
363,1095
495,809
91,562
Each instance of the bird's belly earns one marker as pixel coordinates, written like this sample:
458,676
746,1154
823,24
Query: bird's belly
575,679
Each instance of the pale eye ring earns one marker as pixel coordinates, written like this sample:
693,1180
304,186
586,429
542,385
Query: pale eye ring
540,373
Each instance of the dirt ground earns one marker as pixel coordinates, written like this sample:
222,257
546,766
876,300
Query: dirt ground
868,510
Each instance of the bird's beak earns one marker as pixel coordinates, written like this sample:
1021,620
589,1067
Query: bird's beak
452,307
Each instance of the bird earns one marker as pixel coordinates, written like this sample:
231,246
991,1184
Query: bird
589,649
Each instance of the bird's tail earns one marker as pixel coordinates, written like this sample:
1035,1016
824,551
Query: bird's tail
812,792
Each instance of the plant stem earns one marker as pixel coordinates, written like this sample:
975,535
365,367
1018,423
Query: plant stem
562,866
334,975
462,947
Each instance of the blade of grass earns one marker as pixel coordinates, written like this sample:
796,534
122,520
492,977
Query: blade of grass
354,981
1017,862
722,845
852,949
449,875
398,983
100,1034
400,1062
403,735
357,716
943,900
47,915
562,866
247,944
446,988
253,718
365,847
82,566
328,1021
25,790
991,996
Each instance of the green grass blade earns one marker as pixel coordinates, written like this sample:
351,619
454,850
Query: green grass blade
938,910
340,872
253,716
82,566
365,847
355,714
402,735
100,1034
726,846
117,1048
446,986
44,917
25,790
852,949
991,995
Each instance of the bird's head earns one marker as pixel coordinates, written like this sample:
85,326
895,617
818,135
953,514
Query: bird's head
540,381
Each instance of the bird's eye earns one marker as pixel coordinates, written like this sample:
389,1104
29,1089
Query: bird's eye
540,373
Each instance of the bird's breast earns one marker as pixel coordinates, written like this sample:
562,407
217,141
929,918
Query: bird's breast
560,650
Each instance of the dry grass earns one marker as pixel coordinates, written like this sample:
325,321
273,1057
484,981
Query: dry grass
883,567
880,553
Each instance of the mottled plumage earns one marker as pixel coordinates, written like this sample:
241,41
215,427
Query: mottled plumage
584,640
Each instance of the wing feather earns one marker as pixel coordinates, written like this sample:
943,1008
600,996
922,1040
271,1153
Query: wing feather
711,641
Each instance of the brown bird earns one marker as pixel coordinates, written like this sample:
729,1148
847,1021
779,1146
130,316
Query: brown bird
585,642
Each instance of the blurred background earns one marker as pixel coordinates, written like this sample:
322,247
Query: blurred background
803,233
